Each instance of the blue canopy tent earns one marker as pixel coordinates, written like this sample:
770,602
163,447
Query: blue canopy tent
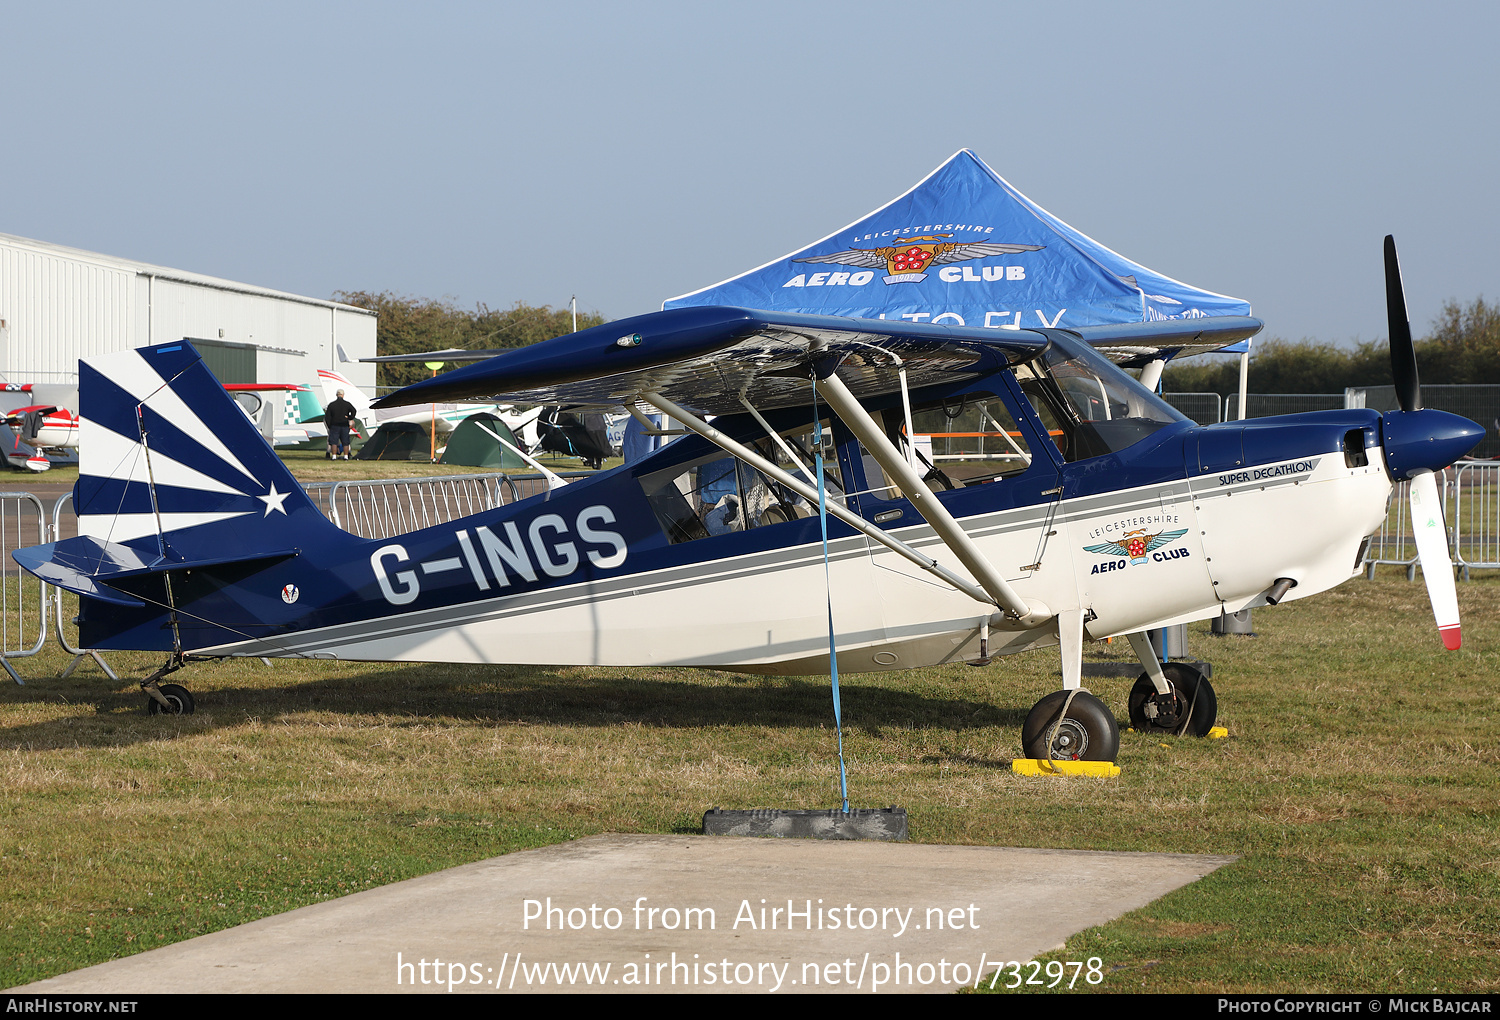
965,247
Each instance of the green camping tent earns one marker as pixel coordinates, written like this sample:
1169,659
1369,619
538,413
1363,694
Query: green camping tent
397,440
475,444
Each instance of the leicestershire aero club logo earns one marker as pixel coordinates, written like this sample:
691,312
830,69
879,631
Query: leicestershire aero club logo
904,263
1136,544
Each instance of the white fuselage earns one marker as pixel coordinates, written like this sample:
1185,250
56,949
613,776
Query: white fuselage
766,612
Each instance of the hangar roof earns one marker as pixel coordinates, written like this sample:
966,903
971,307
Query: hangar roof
164,273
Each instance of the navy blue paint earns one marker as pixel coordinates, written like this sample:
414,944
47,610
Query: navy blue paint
1425,439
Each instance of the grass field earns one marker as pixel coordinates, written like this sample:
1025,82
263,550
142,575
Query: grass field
313,466
1359,787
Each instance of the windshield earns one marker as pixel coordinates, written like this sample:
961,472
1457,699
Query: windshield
1090,406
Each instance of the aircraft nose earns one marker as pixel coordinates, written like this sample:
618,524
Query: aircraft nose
1425,439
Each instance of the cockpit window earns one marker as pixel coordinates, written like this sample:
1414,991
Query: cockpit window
966,439
718,494
1089,406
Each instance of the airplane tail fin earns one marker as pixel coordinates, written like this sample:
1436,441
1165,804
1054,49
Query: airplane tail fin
169,465
332,382
181,501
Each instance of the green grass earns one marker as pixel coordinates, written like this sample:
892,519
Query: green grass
1359,787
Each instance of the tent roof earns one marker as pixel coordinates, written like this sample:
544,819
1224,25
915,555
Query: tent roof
964,247
474,443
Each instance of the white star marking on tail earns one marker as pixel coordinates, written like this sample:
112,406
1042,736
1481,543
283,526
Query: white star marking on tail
273,501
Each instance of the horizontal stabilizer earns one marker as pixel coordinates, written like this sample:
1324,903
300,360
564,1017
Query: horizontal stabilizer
75,565
112,572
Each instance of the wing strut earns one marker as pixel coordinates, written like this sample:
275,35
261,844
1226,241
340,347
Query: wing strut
810,493
839,398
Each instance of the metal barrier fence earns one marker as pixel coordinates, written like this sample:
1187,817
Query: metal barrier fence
23,597
66,500
1470,495
1395,544
1263,405
1475,518
1202,408
386,507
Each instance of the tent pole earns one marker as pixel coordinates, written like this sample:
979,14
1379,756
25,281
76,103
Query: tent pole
1244,379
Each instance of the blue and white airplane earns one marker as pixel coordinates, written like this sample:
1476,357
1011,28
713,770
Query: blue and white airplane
1106,514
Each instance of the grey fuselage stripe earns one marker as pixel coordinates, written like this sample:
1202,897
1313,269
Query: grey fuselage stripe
918,536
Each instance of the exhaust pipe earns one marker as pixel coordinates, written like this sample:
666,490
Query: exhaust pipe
1278,590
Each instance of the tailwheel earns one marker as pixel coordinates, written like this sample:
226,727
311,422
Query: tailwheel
1088,732
178,701
1190,708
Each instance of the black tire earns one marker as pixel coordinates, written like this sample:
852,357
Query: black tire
1089,733
179,698
1197,705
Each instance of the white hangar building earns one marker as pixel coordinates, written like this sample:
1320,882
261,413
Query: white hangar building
60,304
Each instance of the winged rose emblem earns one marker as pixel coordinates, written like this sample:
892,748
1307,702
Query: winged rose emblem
1136,544
907,263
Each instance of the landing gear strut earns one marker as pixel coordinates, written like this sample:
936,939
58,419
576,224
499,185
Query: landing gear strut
1190,707
178,701
167,699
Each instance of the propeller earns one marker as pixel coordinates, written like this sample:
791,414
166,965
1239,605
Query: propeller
1426,506
1403,352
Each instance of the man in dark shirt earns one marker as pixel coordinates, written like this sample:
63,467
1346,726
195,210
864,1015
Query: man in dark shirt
336,417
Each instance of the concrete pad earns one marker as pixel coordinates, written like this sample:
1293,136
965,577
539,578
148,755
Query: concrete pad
674,914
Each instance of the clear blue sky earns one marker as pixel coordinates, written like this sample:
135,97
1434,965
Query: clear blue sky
630,152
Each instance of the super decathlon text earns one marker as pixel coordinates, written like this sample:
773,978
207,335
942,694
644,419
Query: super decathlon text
1300,467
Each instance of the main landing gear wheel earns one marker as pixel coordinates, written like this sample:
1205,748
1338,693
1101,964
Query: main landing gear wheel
178,698
1192,708
1088,732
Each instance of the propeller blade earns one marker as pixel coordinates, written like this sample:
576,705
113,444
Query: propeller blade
1432,553
1403,354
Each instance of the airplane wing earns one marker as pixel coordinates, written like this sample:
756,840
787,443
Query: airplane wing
707,357
1132,344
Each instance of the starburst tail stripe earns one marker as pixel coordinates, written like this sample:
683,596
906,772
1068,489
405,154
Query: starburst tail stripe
166,434
153,384
128,496
125,459
127,528
156,386
206,464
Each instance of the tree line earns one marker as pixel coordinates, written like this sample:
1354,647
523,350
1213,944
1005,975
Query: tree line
1462,347
410,325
